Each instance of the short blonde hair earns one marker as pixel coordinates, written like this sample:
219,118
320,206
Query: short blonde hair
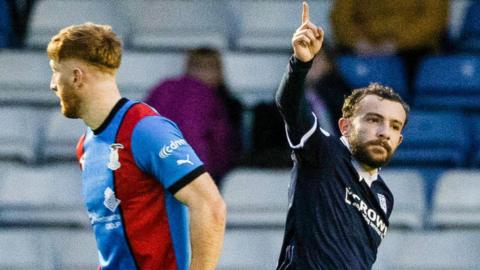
95,44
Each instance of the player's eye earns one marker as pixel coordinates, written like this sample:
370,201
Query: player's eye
372,120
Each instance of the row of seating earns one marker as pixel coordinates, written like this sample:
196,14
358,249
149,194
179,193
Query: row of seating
433,250
50,195
224,24
163,24
449,82
25,75
246,249
435,139
257,198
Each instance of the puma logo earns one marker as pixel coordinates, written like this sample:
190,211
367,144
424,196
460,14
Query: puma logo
184,161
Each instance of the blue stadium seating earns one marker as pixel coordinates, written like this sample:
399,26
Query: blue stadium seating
435,139
475,135
470,33
388,70
450,82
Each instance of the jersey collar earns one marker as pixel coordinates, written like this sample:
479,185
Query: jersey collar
362,173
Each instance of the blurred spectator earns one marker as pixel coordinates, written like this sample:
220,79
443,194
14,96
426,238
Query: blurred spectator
14,19
6,26
205,111
21,11
326,90
409,28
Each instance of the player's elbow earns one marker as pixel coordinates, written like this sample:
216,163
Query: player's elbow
218,210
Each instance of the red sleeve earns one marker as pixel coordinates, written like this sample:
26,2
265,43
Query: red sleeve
79,149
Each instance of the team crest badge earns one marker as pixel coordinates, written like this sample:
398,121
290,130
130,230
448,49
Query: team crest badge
111,202
383,202
113,163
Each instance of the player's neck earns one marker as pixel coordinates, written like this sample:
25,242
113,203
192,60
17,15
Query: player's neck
99,102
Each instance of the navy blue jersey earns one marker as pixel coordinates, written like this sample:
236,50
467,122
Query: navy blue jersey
336,220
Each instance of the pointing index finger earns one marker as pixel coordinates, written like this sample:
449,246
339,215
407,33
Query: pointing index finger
305,12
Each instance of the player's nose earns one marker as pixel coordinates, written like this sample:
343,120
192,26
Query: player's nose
384,132
53,86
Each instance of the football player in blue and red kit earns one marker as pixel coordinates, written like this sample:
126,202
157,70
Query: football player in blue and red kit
150,201
339,205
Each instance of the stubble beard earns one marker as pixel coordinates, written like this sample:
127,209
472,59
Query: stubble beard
70,105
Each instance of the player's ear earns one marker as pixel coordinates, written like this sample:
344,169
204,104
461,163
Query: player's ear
400,139
344,125
77,77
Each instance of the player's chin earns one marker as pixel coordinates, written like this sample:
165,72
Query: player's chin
380,159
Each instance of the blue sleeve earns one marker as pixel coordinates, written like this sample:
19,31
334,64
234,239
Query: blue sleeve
159,149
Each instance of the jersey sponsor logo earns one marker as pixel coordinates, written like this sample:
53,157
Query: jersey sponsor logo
168,149
184,161
111,202
383,202
111,222
369,215
113,163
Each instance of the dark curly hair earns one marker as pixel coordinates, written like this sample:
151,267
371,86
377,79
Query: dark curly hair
351,102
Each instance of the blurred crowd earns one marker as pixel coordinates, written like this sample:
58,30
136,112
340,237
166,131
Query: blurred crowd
211,117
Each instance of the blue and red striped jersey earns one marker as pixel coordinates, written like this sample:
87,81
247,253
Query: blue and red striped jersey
132,166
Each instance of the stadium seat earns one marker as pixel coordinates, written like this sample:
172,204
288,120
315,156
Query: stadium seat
25,78
408,188
432,250
470,33
449,82
269,25
139,72
179,24
42,196
20,134
457,202
435,139
21,250
243,76
247,249
71,249
475,134
388,70
256,197
49,16
61,137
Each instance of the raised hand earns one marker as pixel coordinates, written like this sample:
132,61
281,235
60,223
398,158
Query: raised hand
307,40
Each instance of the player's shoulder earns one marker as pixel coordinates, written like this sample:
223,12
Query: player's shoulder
148,119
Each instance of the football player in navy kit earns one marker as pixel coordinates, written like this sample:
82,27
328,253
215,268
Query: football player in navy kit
338,204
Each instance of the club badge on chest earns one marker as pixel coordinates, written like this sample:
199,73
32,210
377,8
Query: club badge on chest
113,163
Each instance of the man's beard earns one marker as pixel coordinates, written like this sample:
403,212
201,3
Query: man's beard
361,153
70,105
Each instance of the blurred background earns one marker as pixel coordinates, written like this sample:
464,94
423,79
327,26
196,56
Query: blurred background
237,51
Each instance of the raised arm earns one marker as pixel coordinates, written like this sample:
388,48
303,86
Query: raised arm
306,42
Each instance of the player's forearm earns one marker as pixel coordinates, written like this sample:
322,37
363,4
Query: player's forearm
207,229
290,96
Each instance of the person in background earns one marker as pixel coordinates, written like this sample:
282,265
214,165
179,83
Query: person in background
150,201
326,89
208,115
408,28
7,37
